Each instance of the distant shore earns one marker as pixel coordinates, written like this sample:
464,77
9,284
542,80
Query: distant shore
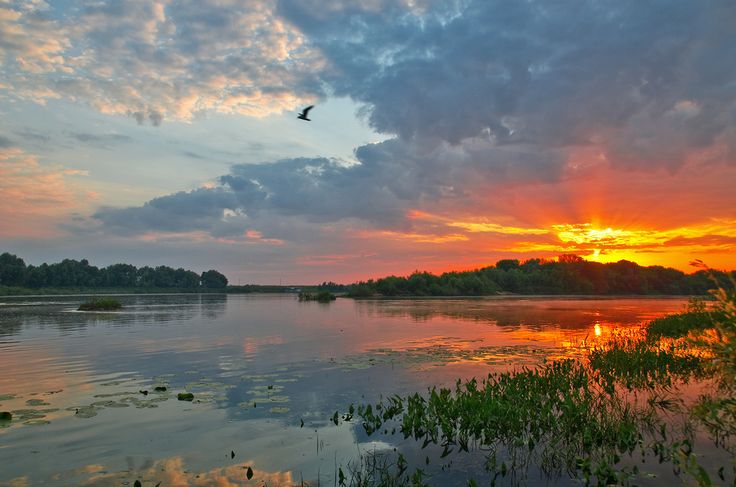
7,291
82,291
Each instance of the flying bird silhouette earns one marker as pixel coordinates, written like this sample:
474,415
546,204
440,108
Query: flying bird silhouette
303,115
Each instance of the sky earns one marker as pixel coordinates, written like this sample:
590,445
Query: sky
446,134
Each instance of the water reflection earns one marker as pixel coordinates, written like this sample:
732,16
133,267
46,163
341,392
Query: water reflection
60,311
296,362
536,313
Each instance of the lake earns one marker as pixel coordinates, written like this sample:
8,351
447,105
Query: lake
267,373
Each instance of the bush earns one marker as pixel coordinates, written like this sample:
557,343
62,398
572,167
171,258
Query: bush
104,304
322,296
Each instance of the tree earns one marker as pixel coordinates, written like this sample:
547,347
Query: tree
212,279
507,264
12,270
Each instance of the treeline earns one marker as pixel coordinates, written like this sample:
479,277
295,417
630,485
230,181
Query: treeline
568,275
71,273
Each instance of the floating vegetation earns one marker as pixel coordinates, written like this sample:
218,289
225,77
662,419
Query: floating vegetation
36,402
185,396
100,304
36,422
279,410
28,414
7,397
84,412
322,296
283,399
441,354
260,377
265,391
6,416
110,404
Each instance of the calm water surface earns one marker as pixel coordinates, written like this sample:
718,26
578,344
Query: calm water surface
259,366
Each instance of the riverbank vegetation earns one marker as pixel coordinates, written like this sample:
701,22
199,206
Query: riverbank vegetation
599,420
18,278
569,274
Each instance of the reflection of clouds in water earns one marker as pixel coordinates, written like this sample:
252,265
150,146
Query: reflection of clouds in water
174,472
31,374
252,345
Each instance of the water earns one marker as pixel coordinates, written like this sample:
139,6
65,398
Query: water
259,366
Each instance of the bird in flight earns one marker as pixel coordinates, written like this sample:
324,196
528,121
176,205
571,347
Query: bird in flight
303,115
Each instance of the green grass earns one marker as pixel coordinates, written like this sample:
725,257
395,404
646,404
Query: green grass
100,304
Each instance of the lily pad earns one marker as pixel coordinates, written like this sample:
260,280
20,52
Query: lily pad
85,412
25,414
36,422
36,402
279,399
6,416
185,396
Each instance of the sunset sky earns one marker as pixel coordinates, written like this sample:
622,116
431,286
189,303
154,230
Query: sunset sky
446,135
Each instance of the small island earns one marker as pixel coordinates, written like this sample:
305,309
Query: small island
321,297
105,304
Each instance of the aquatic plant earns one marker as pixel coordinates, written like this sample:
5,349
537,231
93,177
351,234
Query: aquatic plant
716,411
681,324
633,360
580,418
100,304
322,296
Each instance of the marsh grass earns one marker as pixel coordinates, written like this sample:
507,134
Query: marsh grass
631,359
589,419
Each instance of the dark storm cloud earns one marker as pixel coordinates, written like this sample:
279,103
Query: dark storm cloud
391,178
649,81
477,94
183,211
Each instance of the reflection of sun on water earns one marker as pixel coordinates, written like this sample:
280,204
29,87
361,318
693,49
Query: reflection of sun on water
597,329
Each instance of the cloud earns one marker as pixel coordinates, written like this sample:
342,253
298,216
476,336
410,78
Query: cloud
33,196
5,142
33,136
389,179
647,87
101,140
160,59
201,209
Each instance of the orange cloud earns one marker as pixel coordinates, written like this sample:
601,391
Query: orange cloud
414,237
33,197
